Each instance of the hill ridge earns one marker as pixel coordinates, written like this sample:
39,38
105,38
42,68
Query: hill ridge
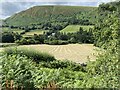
38,14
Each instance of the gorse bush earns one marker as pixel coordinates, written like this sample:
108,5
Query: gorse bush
35,55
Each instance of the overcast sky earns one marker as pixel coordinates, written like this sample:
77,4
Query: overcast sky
10,7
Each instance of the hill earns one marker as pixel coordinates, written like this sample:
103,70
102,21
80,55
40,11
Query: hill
39,14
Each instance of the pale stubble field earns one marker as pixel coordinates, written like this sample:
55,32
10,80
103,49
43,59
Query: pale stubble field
79,53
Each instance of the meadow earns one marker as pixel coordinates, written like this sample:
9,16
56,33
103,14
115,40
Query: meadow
32,32
6,29
75,28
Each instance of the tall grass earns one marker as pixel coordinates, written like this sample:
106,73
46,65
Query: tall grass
37,56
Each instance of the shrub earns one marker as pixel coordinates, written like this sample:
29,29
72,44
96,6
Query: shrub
37,56
27,74
23,41
63,64
19,69
57,42
7,37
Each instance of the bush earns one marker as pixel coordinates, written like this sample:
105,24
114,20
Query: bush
57,42
63,64
25,41
37,56
19,69
7,37
25,73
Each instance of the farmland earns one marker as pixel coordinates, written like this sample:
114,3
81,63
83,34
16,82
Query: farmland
6,29
74,28
74,52
32,32
79,50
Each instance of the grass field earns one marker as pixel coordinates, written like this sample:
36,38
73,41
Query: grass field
12,30
79,53
7,44
32,32
75,28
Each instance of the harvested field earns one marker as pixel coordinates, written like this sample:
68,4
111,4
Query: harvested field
79,53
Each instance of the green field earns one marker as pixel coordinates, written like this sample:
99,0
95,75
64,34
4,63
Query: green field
32,32
75,28
6,29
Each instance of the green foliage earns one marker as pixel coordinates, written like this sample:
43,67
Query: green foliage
54,14
84,36
19,69
9,29
9,37
63,78
56,42
63,65
102,73
25,41
25,73
37,56
105,69
106,31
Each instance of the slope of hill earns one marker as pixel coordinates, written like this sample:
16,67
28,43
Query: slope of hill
39,14
74,28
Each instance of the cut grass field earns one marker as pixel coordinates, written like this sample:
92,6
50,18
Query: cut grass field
79,53
75,28
32,32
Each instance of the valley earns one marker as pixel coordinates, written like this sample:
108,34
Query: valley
61,46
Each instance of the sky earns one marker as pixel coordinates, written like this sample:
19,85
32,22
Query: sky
10,7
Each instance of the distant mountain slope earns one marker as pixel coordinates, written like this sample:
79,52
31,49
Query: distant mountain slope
38,14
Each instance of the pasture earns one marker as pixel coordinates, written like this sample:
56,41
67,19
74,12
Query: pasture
79,53
75,28
32,32
6,29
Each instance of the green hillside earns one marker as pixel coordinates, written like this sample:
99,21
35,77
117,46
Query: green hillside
39,14
15,30
74,28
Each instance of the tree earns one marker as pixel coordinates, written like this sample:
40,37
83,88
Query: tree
7,37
